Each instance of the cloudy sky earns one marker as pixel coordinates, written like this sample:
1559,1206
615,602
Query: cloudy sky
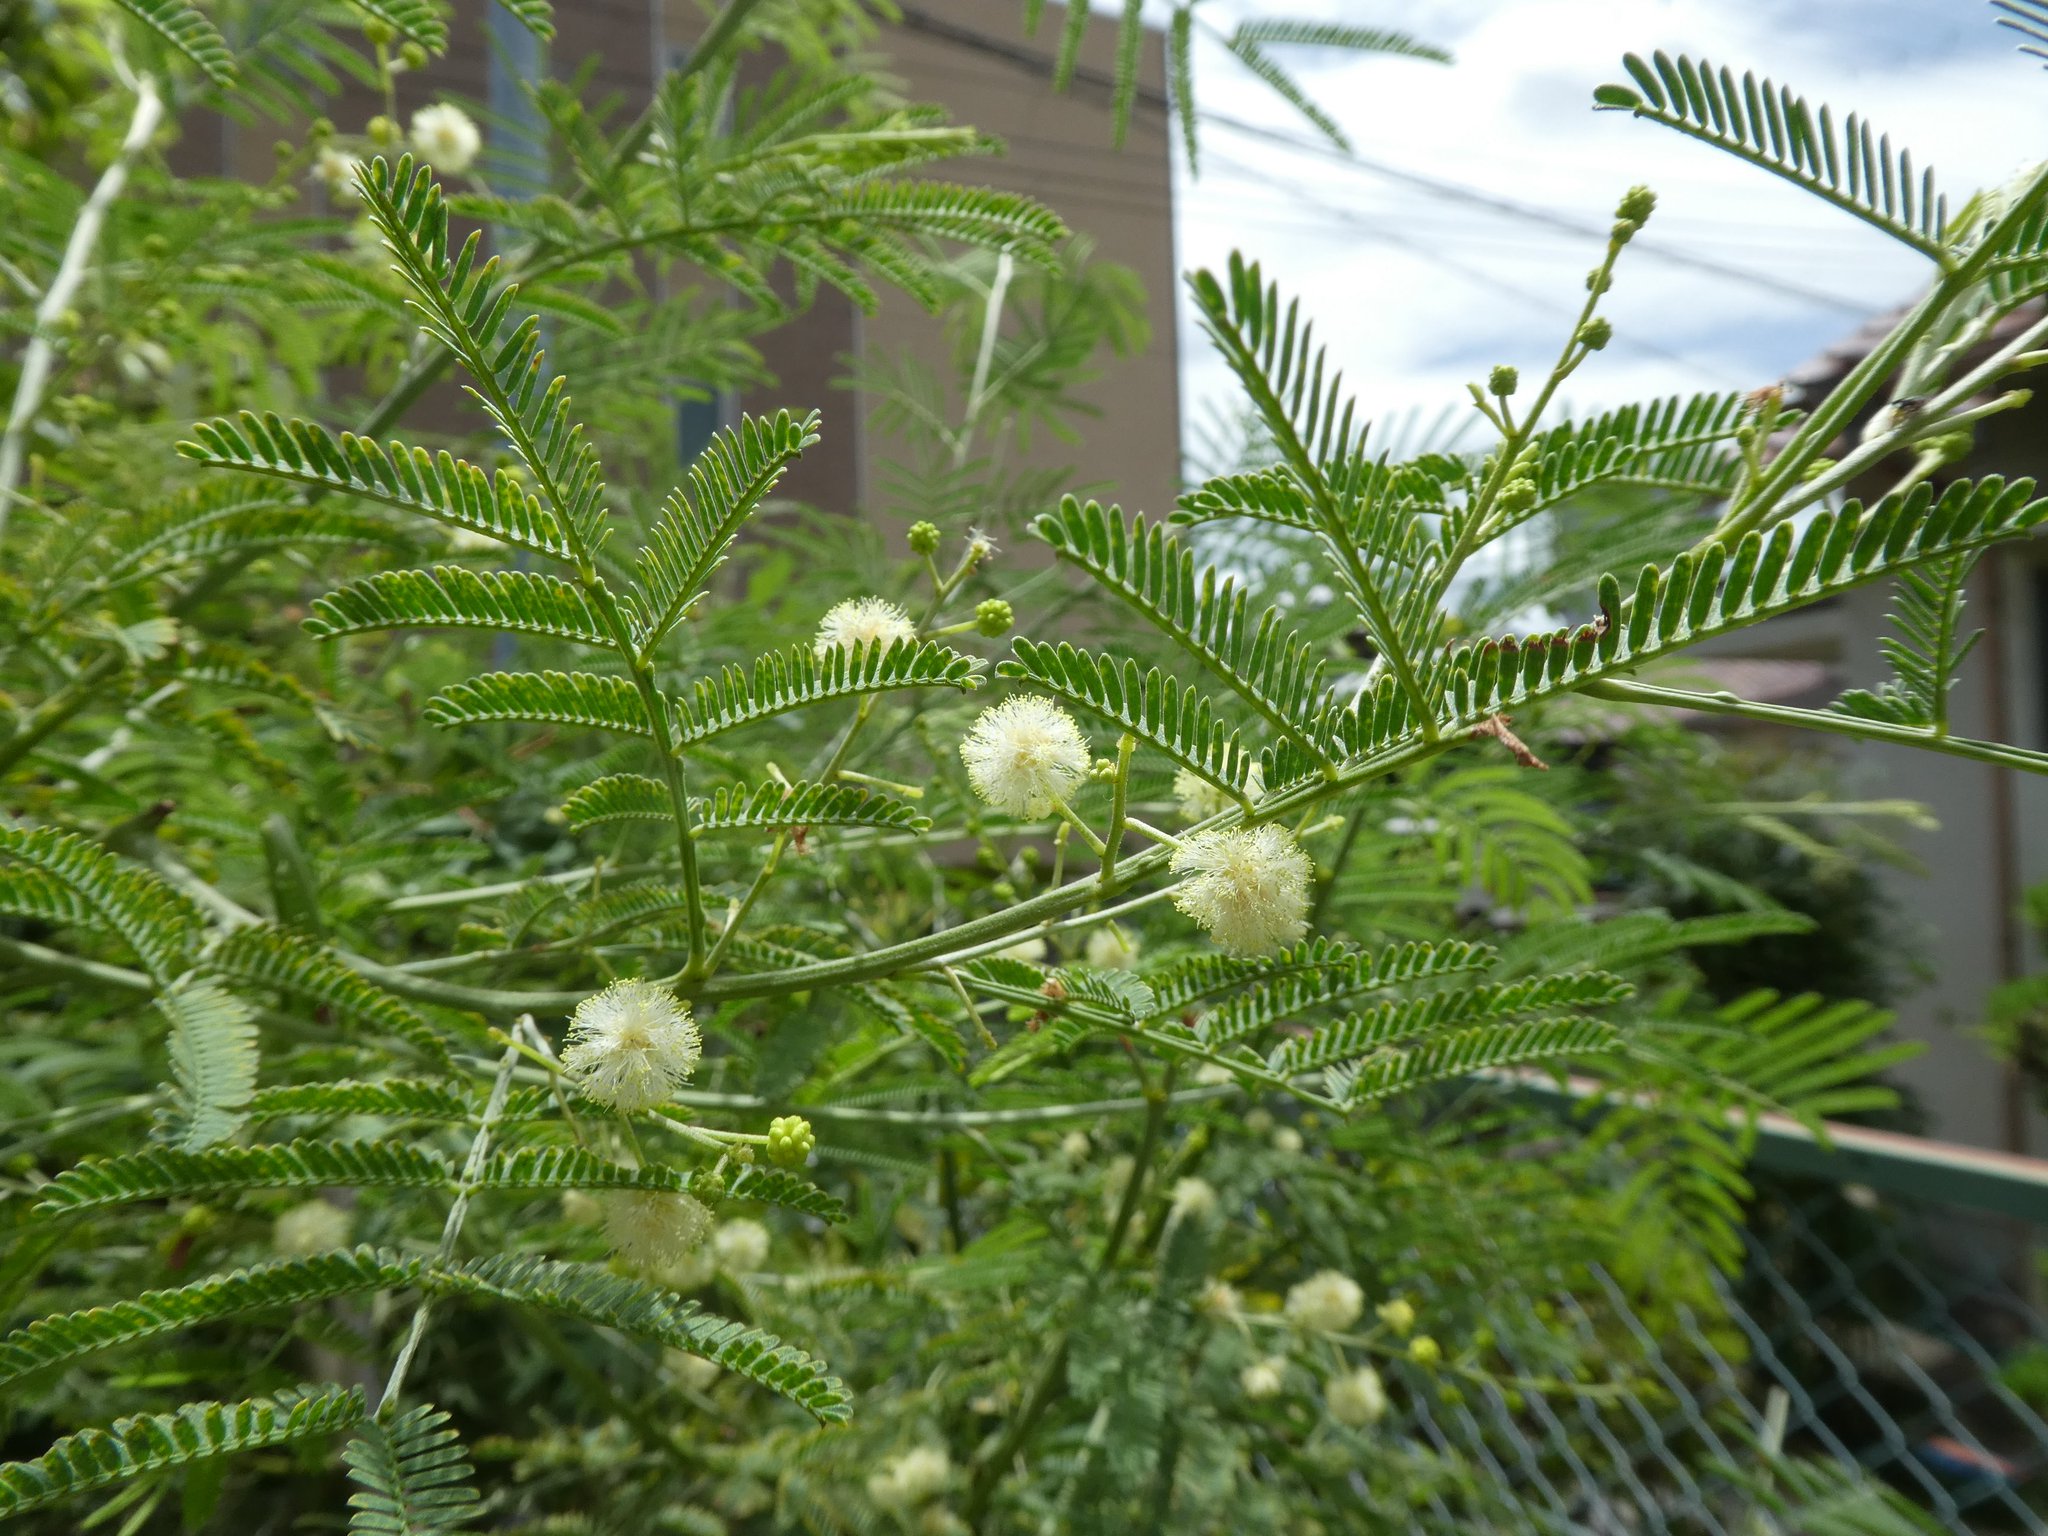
1419,289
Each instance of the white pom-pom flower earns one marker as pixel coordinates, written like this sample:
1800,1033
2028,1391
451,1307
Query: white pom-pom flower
1074,1148
1199,799
1248,886
741,1245
312,1228
446,138
1287,1141
335,169
1024,754
632,1046
1112,949
912,1478
653,1230
872,623
1193,1199
1326,1302
1356,1398
1263,1378
1219,1299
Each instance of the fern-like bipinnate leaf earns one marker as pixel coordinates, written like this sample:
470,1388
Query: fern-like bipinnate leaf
1208,616
69,1336
1717,589
452,596
185,27
585,699
615,1301
1927,649
150,1442
161,1174
803,804
64,878
1153,707
213,1059
690,538
412,1476
304,970
1855,169
417,21
438,486
787,680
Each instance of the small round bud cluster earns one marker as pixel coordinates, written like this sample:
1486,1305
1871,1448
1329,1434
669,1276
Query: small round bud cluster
924,538
905,1481
412,56
993,617
740,1245
1424,1350
1517,496
1326,1302
790,1141
446,138
1024,754
1287,1141
1398,1314
1247,886
381,130
1598,282
1263,1378
632,1046
379,33
871,623
1596,333
1637,204
311,1228
1504,380
1356,1398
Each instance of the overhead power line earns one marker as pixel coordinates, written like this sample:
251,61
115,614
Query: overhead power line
916,19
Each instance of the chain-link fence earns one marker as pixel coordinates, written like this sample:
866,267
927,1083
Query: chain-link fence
1892,1306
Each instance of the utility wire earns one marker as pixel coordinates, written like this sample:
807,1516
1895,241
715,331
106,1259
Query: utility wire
916,19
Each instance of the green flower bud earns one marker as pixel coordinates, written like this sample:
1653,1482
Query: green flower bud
924,538
1598,281
1637,204
993,617
1517,496
743,1154
379,33
1424,1350
1503,380
790,1141
1816,469
1624,231
321,129
413,56
1595,334
155,247
1004,890
284,149
382,130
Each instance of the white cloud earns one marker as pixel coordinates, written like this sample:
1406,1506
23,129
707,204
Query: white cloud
1417,293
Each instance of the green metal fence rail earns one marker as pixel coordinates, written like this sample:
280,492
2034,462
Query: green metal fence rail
1886,1293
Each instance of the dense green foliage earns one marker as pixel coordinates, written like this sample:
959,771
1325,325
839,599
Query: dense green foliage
911,1162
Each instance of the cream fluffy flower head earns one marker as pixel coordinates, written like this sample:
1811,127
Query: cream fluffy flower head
1326,1302
1024,753
335,169
446,138
1356,1398
872,623
632,1046
1248,886
1193,1199
741,1245
910,1479
1263,1378
1199,799
312,1228
1110,948
653,1230
1219,1299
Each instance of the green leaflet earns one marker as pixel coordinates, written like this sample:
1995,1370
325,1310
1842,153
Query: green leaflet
147,1442
412,1475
